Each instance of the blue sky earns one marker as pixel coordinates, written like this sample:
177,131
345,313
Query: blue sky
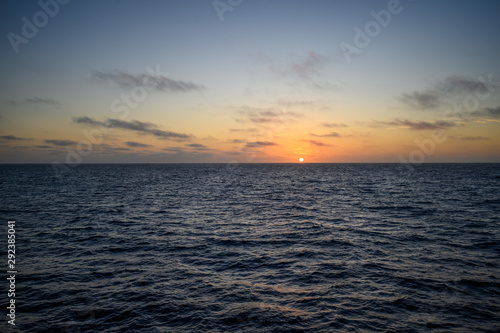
268,83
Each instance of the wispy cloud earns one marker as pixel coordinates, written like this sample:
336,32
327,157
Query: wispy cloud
418,125
458,84
38,100
242,130
328,135
134,144
133,125
473,138
197,146
160,83
317,143
435,96
259,144
267,115
236,141
61,143
13,138
306,69
88,121
422,100
493,112
180,154
173,149
34,101
487,112
334,125
294,103
482,116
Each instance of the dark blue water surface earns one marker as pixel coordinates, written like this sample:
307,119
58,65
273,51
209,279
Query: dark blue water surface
254,248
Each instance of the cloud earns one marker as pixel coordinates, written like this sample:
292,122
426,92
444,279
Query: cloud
474,138
450,87
292,103
324,85
258,144
329,135
422,100
455,83
134,144
157,82
61,143
87,120
317,143
13,138
38,100
419,125
42,147
183,155
236,141
197,146
242,130
133,125
34,101
267,115
334,125
174,149
305,69
492,112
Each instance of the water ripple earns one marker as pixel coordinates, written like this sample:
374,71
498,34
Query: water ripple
257,248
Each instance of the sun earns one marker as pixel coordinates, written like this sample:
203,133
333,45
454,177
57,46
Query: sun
301,159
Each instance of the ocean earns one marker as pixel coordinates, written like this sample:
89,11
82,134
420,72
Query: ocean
253,248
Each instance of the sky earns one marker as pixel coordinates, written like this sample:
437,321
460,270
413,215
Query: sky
249,81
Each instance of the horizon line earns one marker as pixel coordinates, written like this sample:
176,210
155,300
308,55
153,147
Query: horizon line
246,163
